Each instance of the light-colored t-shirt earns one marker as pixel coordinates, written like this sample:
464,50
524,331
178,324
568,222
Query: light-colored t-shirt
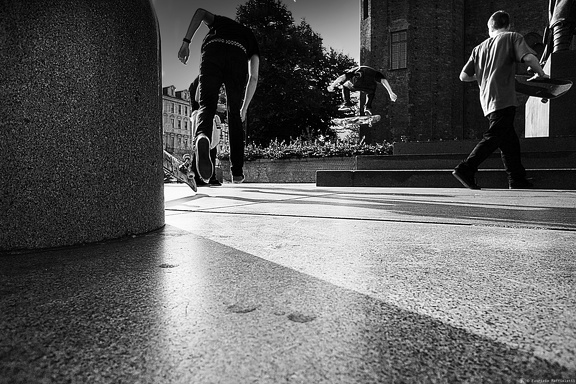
494,63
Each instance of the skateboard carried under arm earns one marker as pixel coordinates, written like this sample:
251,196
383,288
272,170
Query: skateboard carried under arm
544,88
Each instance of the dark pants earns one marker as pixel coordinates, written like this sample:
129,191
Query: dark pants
369,95
563,33
228,65
500,134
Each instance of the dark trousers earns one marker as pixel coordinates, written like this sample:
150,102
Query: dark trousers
224,64
500,134
369,95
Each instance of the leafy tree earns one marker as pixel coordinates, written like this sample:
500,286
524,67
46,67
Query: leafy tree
291,99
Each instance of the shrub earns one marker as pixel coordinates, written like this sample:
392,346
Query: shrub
299,148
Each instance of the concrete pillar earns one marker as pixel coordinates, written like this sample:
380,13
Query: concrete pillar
80,122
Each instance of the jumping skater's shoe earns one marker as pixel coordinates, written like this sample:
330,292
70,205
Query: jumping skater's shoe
346,106
465,176
203,161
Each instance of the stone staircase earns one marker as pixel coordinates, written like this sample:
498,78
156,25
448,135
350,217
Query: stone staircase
550,162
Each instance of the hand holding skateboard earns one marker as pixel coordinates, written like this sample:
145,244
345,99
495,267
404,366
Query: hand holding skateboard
542,86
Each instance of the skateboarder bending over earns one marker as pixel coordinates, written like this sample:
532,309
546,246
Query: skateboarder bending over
363,79
493,65
230,56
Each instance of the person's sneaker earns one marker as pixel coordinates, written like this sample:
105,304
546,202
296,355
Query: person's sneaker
214,182
466,177
237,179
200,182
203,161
520,184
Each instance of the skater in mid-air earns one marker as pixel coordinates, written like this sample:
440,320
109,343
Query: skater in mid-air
364,79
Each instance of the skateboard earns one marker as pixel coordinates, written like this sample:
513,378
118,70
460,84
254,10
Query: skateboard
357,120
172,166
546,89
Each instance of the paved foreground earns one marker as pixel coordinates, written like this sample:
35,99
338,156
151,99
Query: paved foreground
268,283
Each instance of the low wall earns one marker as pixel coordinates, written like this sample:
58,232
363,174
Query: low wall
289,170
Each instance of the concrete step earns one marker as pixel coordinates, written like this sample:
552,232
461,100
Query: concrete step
534,160
463,147
442,178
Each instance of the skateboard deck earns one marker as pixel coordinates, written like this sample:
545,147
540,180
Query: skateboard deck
172,165
357,120
546,89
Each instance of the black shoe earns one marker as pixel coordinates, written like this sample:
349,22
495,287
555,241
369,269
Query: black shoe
214,182
520,184
203,162
200,182
466,177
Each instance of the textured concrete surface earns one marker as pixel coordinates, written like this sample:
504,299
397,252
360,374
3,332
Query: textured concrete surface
80,121
294,283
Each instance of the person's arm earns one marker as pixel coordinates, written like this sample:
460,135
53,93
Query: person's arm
386,85
253,67
201,15
466,77
534,64
341,79
468,72
217,121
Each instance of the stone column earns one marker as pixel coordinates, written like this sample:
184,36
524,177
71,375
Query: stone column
80,122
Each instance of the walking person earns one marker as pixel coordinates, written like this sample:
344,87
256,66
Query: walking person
230,56
214,139
364,79
493,65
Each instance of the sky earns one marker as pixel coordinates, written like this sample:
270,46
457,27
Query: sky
337,22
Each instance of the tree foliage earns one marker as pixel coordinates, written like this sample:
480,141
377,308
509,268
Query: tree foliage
295,69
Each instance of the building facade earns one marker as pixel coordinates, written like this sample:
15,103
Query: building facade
176,124
177,129
422,47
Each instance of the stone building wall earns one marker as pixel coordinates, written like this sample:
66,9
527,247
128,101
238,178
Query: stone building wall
432,103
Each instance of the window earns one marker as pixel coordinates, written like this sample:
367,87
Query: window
398,50
172,107
366,13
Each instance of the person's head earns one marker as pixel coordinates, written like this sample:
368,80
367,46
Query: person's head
498,22
186,157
